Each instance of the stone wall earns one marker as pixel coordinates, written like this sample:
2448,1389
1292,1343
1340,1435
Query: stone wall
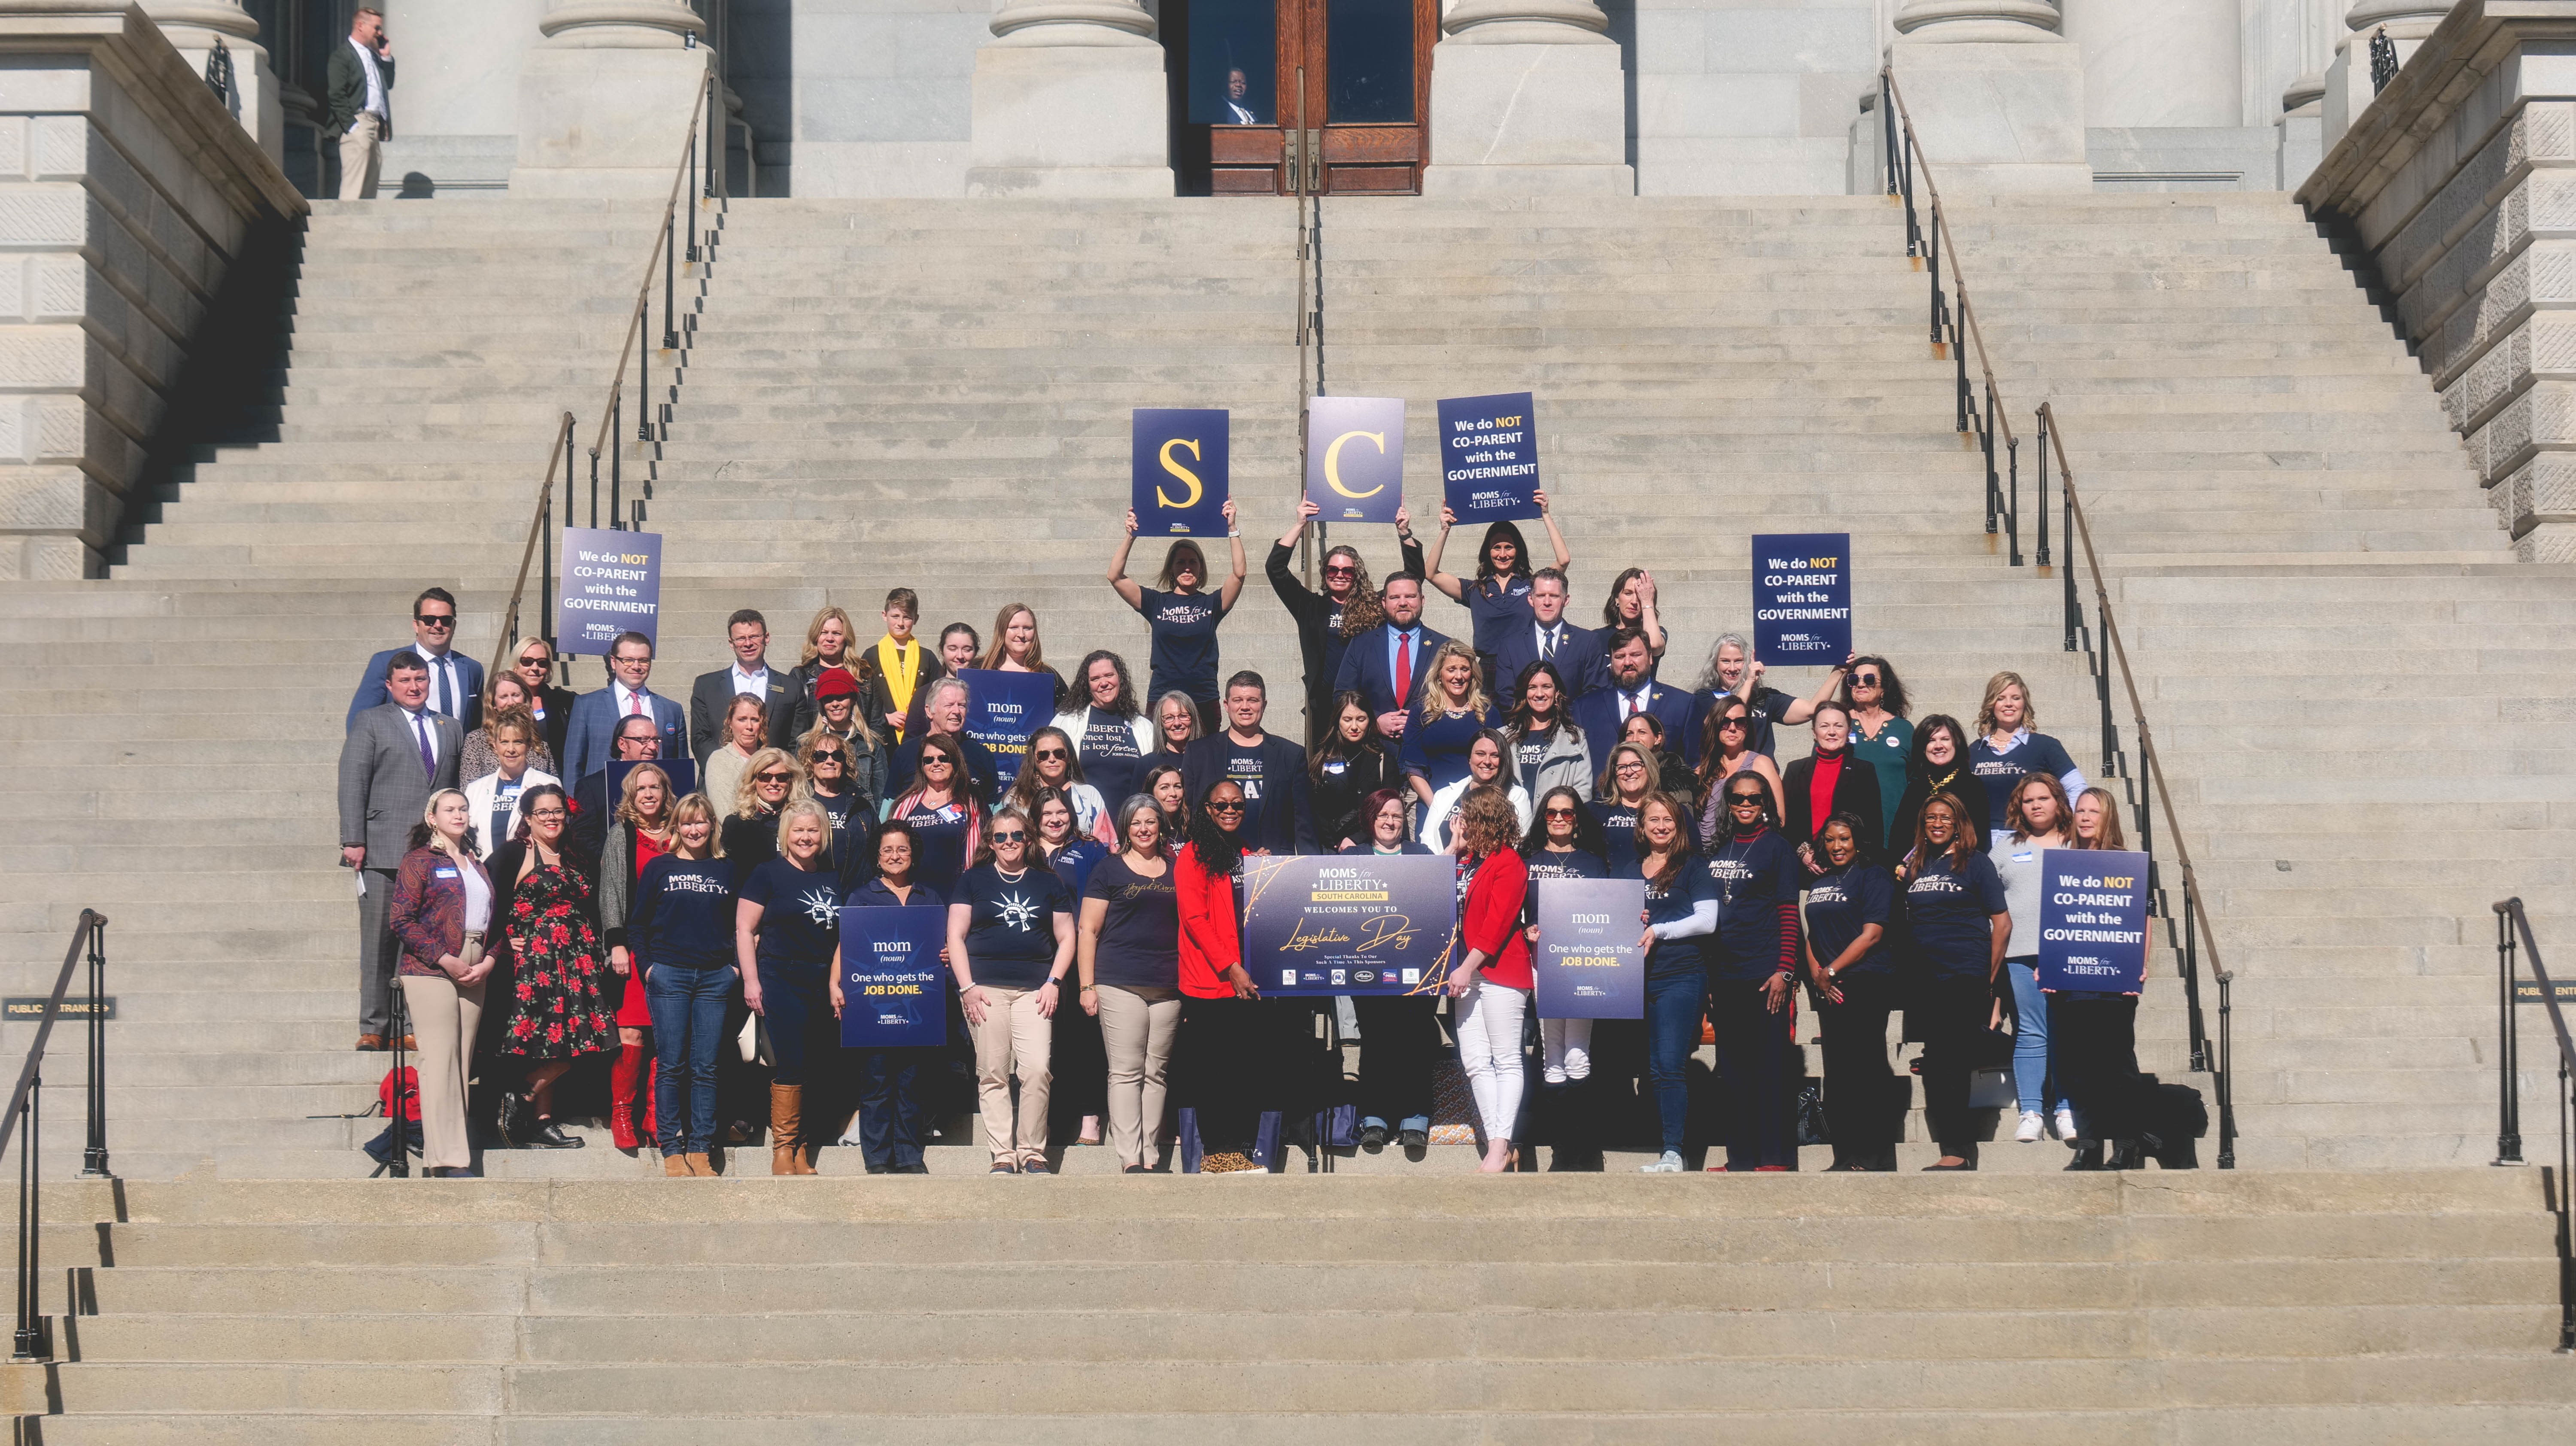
125,190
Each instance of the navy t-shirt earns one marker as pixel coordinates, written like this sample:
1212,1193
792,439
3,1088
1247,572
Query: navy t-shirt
2000,771
938,843
1839,904
1010,926
1752,878
1184,627
1243,768
1437,748
1618,837
1547,863
1947,914
683,914
1498,604
1528,752
1669,905
800,913
1074,862
1140,934
1110,761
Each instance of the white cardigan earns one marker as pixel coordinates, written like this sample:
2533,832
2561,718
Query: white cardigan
1444,809
478,800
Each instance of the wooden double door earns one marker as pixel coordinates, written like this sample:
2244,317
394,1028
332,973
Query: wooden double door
1234,68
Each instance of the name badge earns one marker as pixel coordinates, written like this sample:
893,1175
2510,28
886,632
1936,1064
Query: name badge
2021,858
444,874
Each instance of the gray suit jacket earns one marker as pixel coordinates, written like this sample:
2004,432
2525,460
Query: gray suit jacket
382,791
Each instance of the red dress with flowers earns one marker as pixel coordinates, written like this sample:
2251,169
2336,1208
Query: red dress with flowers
559,1009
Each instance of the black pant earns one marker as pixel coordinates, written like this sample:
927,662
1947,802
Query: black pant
1079,1064
890,1106
2096,1041
1753,1061
1224,1069
1399,1047
1862,1106
1951,1014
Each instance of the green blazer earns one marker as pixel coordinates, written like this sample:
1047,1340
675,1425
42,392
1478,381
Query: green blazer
346,83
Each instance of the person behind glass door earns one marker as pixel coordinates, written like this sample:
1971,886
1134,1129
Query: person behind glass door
1238,91
1128,949
1851,972
1079,1066
1183,614
787,932
1051,764
1681,908
2006,747
1725,750
1938,763
1399,1033
1491,982
679,942
891,1077
1010,941
1881,734
1328,620
1564,843
1016,649
2035,821
1956,929
562,1006
1111,735
441,912
1752,967
640,833
1349,765
1498,599
2096,1032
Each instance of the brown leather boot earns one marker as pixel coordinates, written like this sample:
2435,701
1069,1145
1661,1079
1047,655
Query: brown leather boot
699,1165
675,1165
786,1121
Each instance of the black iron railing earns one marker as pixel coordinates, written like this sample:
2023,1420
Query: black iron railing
24,1121
2513,927
1981,410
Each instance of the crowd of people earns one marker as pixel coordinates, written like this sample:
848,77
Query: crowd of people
552,877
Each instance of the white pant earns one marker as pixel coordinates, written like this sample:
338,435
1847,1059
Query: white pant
1568,1043
1488,1023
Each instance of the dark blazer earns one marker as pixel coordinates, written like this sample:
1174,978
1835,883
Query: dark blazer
1334,801
805,710
712,693
1909,812
1578,660
1855,792
1287,822
1364,666
587,835
1597,712
558,720
345,87
469,683
382,786
593,724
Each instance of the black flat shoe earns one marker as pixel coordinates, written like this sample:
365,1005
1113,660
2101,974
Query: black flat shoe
511,1123
1416,1139
1134,1170
550,1136
1372,1137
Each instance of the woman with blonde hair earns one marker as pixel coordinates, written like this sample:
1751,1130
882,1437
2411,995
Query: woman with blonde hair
743,733
2037,817
2097,821
442,912
550,704
831,645
509,736
1016,649
1450,711
479,756
2096,1031
640,833
2008,746
681,937
770,781
787,931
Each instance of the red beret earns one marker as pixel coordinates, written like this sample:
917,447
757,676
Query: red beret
836,683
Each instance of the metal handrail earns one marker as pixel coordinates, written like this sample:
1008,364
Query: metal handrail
2513,925
540,545
1905,159
89,939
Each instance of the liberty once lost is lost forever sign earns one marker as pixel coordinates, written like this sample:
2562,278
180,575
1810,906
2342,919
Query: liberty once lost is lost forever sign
1349,923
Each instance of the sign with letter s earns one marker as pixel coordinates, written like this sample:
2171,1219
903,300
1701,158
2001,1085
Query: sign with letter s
2093,920
1802,613
1355,458
1179,458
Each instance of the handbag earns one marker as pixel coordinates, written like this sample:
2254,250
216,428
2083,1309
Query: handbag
1990,1087
753,1043
1812,1129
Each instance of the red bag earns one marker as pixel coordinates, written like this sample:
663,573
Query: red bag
411,1093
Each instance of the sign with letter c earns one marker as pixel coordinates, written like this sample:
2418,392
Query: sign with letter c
1355,457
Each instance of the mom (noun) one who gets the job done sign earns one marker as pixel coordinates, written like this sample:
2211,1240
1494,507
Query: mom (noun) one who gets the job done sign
1179,460
1489,457
2092,920
1802,611
612,584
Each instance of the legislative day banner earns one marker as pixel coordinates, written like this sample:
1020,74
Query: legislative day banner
1349,923
1355,458
1587,961
682,772
612,583
1180,471
1003,709
1489,457
2092,920
1802,598
891,988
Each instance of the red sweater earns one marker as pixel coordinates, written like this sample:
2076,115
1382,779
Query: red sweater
1211,935
1492,923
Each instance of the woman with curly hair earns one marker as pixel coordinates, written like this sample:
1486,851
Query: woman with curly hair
1328,620
560,1006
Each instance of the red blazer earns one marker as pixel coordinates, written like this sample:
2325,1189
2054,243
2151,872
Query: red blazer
1211,935
1492,921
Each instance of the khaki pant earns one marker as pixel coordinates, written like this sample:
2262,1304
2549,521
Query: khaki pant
1136,1030
444,1019
361,157
1013,1038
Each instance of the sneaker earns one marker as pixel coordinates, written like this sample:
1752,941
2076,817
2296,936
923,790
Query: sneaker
1002,1167
1670,1164
1036,1167
2031,1127
1373,1135
2066,1126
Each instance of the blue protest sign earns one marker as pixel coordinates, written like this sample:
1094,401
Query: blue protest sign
1587,961
892,992
682,772
1355,457
1180,465
1349,923
2092,920
1003,709
1802,598
612,584
1489,457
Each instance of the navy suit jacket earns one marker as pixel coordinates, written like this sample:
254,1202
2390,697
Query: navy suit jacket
594,723
371,688
1598,713
1364,667
1578,660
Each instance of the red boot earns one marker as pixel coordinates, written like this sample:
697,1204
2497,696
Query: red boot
622,1078
653,1103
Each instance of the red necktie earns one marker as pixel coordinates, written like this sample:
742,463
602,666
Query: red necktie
1403,668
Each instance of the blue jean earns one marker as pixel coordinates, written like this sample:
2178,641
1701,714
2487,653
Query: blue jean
2031,1074
1676,1003
688,1028
890,1106
796,1009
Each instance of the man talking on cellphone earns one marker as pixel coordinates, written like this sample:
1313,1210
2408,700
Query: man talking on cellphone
360,80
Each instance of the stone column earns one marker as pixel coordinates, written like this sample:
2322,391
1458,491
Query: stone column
1996,93
1527,97
606,97
1068,100
193,27
2348,85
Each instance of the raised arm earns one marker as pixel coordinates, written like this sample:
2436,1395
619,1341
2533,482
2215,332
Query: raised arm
1292,591
1449,585
1118,578
1234,543
1555,539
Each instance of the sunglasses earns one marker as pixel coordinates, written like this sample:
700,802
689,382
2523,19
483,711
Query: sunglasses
1012,837
536,660
937,760
1560,813
774,778
1341,571
1864,680
1744,800
1044,754
827,757
1225,807
434,620
1736,722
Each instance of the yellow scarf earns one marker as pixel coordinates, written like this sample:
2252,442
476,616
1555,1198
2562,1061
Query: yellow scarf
900,667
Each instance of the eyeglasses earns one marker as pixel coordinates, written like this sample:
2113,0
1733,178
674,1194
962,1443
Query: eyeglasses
1044,754
1560,813
1632,766
543,813
1012,837
774,778
434,620
1223,807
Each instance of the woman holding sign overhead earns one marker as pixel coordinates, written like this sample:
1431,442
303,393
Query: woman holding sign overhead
1183,614
1498,599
